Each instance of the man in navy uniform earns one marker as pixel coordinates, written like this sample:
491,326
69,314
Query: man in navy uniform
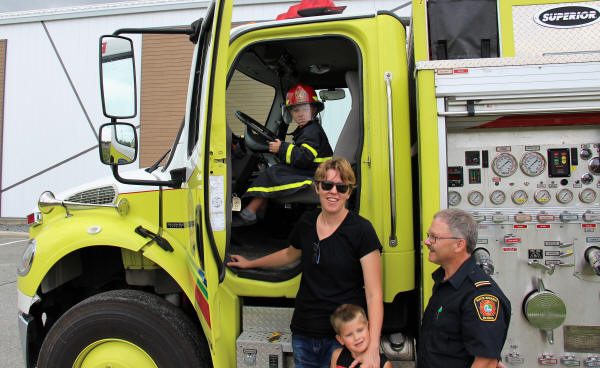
467,317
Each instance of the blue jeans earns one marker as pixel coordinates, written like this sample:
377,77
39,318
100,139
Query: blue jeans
313,352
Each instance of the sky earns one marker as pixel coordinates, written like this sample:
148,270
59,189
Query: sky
22,5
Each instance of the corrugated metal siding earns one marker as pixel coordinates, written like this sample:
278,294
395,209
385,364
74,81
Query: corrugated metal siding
2,75
250,97
166,61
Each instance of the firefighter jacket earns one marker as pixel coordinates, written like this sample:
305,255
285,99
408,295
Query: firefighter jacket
299,161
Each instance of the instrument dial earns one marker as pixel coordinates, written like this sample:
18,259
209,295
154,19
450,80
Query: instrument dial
475,198
454,198
564,196
533,164
519,197
542,196
504,164
497,197
585,153
587,195
594,165
587,178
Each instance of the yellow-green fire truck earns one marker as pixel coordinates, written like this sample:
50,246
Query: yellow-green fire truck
490,106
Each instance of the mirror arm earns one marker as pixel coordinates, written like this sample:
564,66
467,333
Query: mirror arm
166,30
167,183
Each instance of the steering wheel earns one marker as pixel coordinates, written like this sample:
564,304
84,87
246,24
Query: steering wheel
255,126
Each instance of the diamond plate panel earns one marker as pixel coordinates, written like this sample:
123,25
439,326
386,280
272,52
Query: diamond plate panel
533,39
255,350
267,319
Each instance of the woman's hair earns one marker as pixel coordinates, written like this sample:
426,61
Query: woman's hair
339,164
344,314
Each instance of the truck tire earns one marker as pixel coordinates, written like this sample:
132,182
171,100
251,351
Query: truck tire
124,328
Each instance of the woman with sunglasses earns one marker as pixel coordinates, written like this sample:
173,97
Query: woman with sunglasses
340,257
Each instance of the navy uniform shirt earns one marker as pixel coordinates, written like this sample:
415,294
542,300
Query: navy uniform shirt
467,316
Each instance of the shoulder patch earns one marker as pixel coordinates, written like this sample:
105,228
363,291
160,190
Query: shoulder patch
482,283
487,307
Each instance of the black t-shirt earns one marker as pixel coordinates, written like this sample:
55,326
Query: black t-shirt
337,277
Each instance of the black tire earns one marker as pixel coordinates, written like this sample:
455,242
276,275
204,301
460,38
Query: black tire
142,322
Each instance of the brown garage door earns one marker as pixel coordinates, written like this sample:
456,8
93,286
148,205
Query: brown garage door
166,61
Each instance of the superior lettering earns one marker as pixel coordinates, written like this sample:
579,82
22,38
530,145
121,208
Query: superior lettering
552,17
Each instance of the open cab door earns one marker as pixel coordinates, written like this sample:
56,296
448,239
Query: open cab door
207,190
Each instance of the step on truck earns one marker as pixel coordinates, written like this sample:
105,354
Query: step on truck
488,106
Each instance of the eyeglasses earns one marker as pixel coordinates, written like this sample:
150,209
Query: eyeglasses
433,239
340,187
316,252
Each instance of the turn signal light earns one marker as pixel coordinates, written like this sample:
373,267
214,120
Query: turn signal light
34,219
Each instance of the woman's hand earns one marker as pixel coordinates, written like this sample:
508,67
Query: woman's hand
274,146
239,262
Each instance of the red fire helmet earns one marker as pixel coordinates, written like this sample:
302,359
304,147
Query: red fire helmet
303,94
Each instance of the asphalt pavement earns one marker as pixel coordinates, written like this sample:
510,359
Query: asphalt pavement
12,245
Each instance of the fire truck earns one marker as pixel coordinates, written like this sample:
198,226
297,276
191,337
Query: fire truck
488,106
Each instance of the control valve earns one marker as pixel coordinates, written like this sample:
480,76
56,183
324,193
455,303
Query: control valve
592,256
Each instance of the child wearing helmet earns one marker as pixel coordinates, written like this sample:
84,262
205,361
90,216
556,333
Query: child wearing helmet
299,159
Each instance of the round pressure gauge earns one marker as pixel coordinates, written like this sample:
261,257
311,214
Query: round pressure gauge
475,198
587,195
541,196
533,164
519,197
504,164
564,196
594,165
454,198
497,197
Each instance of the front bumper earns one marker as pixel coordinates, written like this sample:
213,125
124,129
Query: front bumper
24,321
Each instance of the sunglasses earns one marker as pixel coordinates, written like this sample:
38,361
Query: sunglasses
328,185
316,252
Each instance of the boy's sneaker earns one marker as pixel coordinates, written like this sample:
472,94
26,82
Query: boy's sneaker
243,218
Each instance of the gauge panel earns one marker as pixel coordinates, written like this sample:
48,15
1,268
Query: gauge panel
559,163
454,198
542,196
519,197
587,195
475,198
504,165
497,197
564,196
533,164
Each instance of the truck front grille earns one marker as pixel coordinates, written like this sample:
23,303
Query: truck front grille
102,195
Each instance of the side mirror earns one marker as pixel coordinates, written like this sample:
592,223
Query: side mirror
117,77
118,144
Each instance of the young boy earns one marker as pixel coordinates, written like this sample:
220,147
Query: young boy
350,324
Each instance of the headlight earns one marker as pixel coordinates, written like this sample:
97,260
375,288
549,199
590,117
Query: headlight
27,258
